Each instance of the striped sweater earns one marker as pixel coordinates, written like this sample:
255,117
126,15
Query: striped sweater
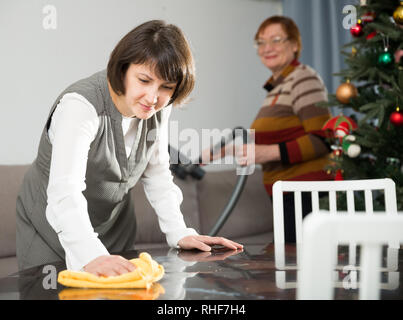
290,118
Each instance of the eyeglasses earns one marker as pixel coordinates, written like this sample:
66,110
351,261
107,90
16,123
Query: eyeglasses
273,42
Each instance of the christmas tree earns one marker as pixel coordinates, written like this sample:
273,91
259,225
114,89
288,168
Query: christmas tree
369,143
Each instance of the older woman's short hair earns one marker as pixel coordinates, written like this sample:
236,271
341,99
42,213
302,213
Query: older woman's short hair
288,25
164,47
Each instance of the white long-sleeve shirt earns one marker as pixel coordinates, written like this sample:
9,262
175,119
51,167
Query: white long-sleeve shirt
73,127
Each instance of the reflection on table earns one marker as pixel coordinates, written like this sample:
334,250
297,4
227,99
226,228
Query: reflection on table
222,274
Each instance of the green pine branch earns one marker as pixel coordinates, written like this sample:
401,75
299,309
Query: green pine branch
380,91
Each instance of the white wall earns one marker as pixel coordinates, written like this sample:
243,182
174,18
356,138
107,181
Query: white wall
37,64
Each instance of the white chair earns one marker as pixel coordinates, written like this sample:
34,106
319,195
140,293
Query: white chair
314,187
322,231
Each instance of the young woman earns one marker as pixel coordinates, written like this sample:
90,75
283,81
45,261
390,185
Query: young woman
103,135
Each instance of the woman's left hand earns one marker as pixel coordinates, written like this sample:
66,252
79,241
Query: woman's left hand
203,243
205,256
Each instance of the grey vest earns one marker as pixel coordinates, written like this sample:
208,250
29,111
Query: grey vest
109,177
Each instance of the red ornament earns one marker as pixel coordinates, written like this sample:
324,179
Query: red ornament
398,55
356,31
368,17
396,118
339,126
336,152
339,175
371,35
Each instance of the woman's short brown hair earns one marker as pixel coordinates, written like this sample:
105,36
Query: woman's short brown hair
289,27
164,47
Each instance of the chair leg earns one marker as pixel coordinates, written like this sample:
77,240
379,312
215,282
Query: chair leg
370,272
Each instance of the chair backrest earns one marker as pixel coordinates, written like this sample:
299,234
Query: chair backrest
314,187
322,231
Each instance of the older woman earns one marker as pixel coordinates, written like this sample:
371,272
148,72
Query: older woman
75,202
289,141
288,138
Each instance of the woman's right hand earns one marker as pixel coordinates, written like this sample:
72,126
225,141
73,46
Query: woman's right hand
109,265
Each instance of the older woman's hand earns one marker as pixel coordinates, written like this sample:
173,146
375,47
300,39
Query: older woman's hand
203,243
262,153
208,156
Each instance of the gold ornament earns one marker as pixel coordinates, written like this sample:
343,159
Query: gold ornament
345,92
353,51
398,14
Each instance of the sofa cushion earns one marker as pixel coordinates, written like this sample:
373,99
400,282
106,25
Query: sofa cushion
148,230
147,222
10,182
252,213
8,266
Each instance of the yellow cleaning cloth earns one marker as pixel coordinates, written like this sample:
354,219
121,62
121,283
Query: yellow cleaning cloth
112,294
146,273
